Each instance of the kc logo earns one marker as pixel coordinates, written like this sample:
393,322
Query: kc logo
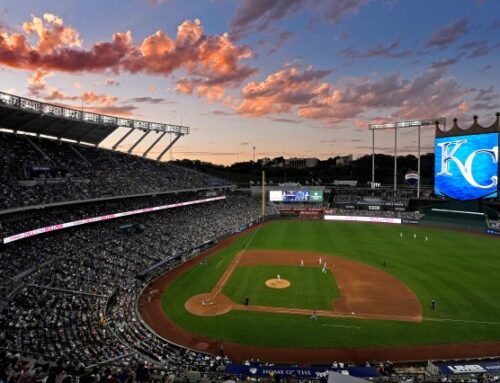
449,152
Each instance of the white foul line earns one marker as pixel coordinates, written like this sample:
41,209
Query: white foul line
459,320
340,325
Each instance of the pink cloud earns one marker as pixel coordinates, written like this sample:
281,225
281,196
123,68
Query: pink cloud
280,92
307,95
37,83
102,100
209,59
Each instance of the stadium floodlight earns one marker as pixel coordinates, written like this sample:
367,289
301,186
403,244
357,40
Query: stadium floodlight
399,125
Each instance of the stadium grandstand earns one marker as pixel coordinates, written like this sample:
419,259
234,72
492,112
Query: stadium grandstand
85,229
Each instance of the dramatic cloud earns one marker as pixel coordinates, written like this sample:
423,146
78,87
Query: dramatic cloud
379,50
304,93
449,34
155,3
121,111
259,14
281,39
337,9
106,82
464,107
444,63
222,113
92,98
477,48
91,102
282,91
208,60
486,99
36,82
150,100
51,33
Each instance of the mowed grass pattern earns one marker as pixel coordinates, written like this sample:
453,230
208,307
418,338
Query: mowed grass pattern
459,270
310,288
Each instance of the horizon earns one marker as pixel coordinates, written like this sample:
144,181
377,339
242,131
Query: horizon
293,78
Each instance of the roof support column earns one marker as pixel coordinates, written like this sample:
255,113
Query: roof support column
121,139
168,147
153,144
146,132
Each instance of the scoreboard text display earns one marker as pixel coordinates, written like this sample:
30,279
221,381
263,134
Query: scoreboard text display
466,167
296,196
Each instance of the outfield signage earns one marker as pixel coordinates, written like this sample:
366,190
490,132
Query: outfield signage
472,368
362,218
298,372
410,221
493,231
107,217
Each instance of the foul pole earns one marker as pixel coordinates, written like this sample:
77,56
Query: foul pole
263,194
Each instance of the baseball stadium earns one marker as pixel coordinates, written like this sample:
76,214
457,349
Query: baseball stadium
362,244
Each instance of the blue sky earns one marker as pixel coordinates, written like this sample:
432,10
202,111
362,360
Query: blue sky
290,77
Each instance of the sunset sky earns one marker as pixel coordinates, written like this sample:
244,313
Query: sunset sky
297,78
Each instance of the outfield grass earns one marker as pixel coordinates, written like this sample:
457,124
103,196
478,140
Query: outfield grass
459,270
310,289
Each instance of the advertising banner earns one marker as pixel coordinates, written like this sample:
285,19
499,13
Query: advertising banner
298,372
410,221
470,368
60,226
493,231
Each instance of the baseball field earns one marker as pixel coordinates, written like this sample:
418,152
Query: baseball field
371,287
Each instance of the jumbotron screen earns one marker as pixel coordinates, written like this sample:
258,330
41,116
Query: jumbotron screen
296,195
466,167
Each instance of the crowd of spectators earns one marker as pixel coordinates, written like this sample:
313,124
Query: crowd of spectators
55,287
494,224
41,171
68,299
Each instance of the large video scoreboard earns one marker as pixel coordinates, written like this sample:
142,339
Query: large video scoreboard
466,166
304,195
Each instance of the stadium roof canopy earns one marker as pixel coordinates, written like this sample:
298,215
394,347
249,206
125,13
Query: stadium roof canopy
23,114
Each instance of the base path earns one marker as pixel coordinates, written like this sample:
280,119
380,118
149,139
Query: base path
152,313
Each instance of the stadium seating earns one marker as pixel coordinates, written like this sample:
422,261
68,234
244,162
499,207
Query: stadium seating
41,171
67,278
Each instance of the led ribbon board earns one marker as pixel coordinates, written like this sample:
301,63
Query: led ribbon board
107,217
466,167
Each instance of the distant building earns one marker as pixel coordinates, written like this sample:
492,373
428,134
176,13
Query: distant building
301,163
344,160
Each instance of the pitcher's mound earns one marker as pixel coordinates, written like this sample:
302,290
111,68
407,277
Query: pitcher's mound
278,283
